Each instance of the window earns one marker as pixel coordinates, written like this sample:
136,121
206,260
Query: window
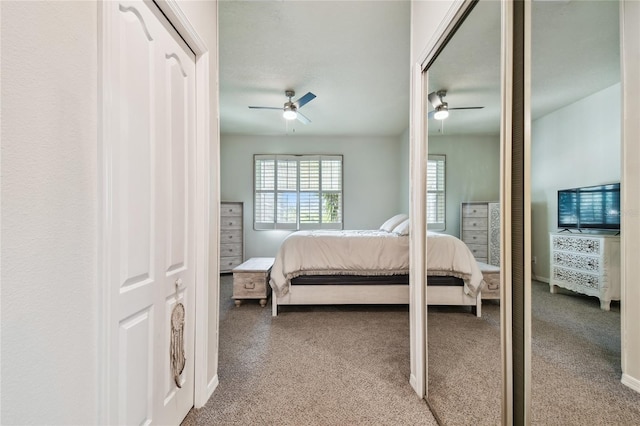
436,193
298,192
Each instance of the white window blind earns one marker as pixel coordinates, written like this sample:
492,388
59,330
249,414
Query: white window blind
298,192
436,192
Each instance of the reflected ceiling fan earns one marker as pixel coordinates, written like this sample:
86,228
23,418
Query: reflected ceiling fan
441,108
290,109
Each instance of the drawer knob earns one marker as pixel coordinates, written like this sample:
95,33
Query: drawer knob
230,223
474,210
230,236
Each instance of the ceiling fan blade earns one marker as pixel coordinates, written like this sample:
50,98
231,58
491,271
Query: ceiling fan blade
304,100
301,118
435,99
261,107
476,107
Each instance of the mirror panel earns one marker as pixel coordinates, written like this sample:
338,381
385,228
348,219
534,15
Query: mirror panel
464,350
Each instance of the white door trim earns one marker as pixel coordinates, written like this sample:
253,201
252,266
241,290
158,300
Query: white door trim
203,390
418,208
630,295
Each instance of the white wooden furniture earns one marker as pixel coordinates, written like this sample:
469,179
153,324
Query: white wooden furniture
251,280
231,235
491,277
587,264
480,230
345,294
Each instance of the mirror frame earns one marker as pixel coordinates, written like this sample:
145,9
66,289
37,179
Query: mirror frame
418,155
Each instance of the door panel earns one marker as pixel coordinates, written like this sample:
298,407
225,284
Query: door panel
135,362
151,179
177,220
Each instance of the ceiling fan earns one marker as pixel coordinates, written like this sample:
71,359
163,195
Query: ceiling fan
290,109
441,108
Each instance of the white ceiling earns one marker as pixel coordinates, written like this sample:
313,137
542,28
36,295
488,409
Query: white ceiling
354,55
575,52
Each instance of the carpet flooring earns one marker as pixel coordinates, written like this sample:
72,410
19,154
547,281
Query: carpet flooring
576,364
338,365
321,365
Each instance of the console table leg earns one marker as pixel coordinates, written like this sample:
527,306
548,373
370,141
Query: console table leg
238,302
605,305
552,288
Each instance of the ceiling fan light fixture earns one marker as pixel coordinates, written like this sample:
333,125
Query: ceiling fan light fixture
289,113
442,112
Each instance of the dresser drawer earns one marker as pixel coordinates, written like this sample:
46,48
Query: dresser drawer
576,280
231,209
474,210
590,264
474,237
585,245
231,222
479,251
231,250
232,236
474,223
228,263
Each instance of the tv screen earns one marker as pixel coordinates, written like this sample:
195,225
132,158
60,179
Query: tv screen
590,207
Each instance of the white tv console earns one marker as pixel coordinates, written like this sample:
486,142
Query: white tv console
587,264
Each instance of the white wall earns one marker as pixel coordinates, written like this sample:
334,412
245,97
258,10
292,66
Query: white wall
49,212
472,172
426,18
578,145
371,179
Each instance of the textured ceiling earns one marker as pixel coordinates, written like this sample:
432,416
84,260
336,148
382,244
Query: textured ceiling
354,55
575,52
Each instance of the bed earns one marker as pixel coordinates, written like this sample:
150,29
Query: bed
370,267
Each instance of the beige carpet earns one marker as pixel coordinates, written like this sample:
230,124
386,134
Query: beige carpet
332,365
576,364
326,365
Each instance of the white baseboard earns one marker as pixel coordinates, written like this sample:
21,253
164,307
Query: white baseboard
541,279
211,386
412,381
631,382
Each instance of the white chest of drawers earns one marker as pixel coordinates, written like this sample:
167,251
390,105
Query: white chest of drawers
587,264
480,230
231,235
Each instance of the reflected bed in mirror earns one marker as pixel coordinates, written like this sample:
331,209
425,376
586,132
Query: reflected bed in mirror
464,377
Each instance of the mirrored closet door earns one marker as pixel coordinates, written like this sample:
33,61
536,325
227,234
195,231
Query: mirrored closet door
463,207
576,211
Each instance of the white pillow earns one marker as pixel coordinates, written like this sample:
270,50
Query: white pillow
403,228
393,222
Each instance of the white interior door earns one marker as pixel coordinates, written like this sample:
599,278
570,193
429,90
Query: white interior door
150,179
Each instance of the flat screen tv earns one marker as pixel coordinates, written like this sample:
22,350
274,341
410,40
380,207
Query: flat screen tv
590,207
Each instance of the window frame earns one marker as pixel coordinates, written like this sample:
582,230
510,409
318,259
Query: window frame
298,225
437,225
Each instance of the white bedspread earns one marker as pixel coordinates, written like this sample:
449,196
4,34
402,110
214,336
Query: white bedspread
339,253
449,256
368,253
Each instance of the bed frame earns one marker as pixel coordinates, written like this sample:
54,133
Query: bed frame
446,291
